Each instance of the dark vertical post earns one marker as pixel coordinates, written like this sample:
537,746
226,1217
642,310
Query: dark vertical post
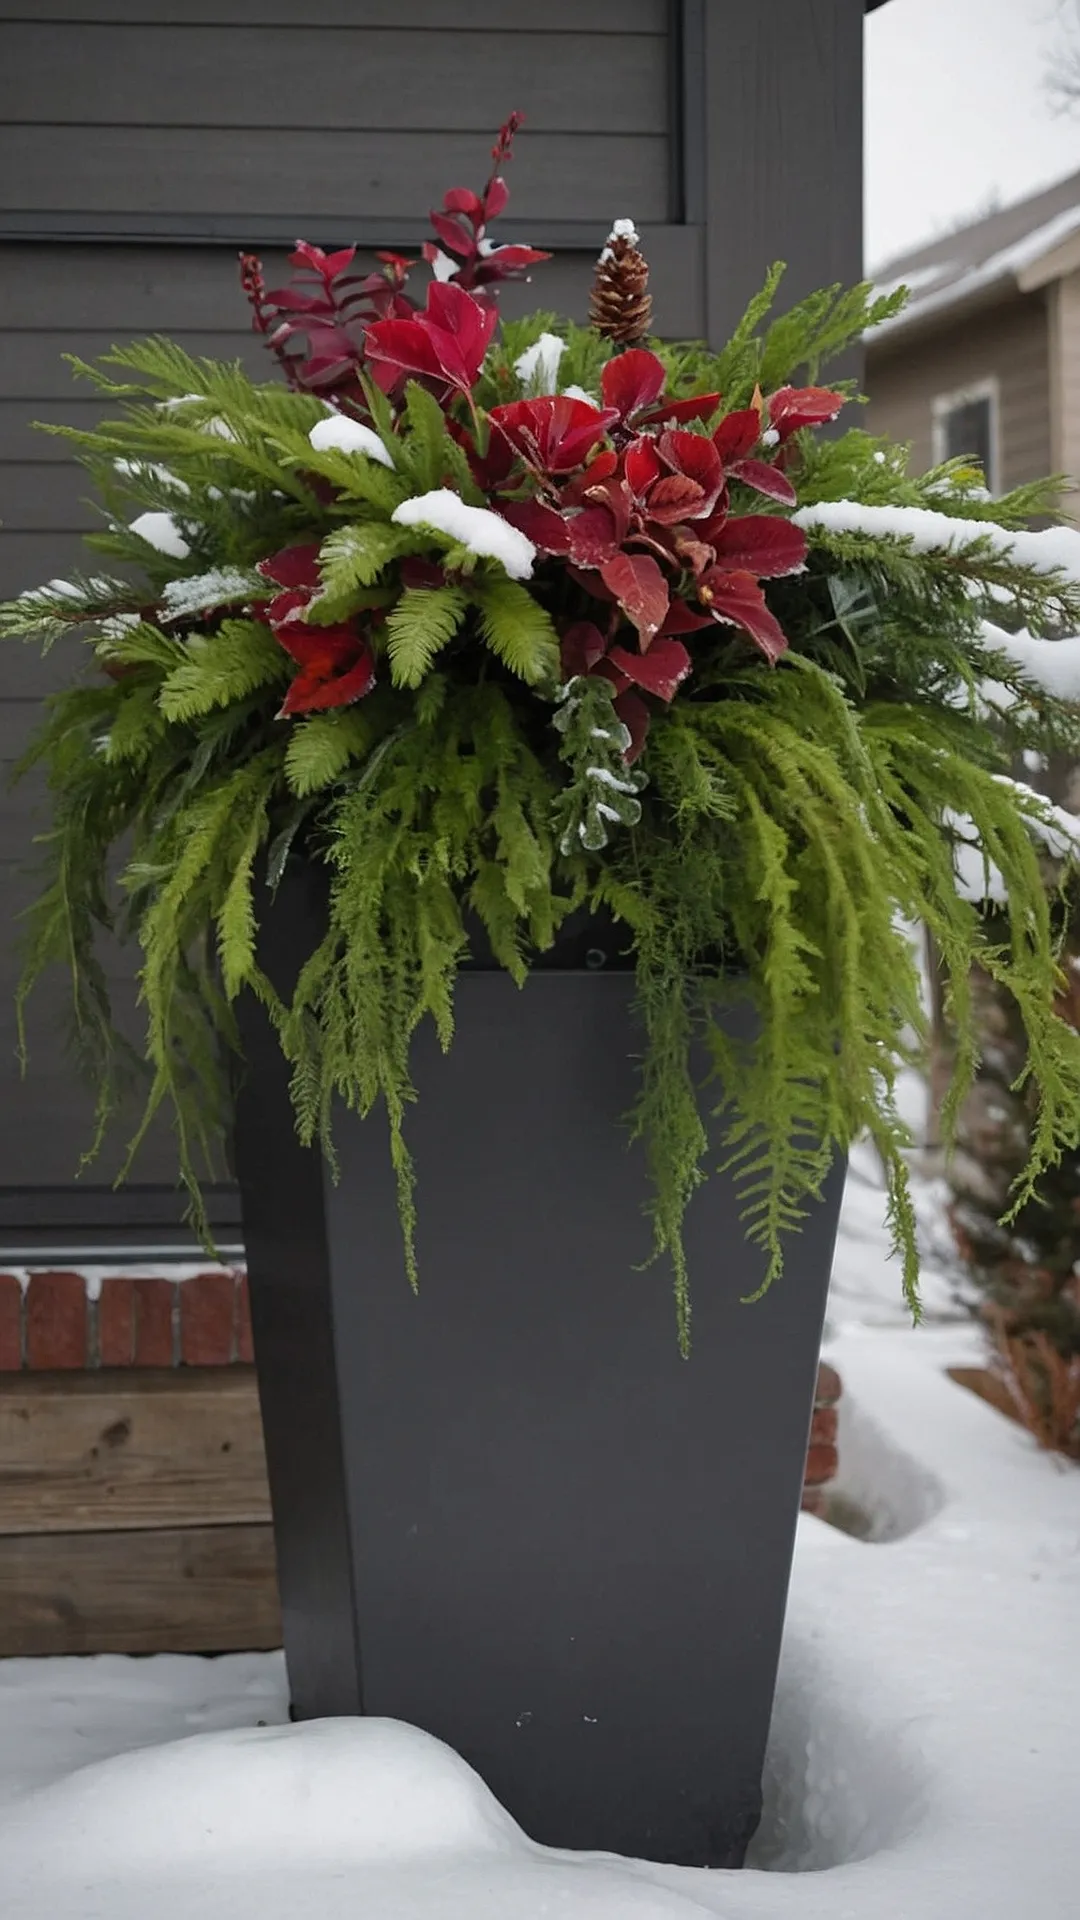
782,150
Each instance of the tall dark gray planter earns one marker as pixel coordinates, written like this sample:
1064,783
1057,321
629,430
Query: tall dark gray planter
506,1510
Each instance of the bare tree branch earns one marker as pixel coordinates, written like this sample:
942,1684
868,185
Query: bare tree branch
1062,78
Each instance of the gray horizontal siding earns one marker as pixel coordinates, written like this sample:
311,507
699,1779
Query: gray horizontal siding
235,123
468,16
366,77
302,175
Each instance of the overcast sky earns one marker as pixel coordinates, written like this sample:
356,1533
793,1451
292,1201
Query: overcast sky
955,111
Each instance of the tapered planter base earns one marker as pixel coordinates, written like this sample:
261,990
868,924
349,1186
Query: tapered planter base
506,1510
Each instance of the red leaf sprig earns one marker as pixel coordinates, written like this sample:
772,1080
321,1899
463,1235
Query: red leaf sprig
464,255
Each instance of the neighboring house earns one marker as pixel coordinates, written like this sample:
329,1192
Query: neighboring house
985,360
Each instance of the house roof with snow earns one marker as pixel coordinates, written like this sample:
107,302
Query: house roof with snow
1015,250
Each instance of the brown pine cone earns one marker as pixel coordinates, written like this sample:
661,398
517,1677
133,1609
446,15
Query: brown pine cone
620,306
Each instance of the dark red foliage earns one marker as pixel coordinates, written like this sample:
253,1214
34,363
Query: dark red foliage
553,434
633,496
586,651
793,407
336,663
443,347
317,326
462,226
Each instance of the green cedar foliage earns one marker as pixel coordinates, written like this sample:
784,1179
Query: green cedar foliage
779,830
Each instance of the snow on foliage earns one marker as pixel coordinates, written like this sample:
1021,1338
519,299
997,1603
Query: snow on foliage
475,528
160,530
150,470
538,366
341,435
213,589
1053,665
978,878
1052,550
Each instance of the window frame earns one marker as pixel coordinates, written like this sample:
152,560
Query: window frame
944,404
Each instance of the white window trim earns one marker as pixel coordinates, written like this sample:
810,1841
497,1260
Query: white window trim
946,403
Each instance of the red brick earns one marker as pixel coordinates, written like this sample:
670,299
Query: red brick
154,1301
116,1322
821,1466
829,1386
823,1427
814,1501
56,1321
207,1319
245,1349
10,1323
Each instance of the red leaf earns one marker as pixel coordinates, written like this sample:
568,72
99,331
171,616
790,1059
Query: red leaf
764,479
795,407
496,197
641,464
339,262
634,715
463,200
403,347
293,566
693,455
305,255
701,406
684,619
447,342
552,432
737,434
581,647
501,262
762,544
295,300
659,671
593,536
676,497
737,600
632,380
454,311
319,685
641,590
539,523
416,572
453,234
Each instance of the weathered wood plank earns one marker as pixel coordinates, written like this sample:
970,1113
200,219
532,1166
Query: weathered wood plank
465,16
195,1590
355,77
105,1451
302,175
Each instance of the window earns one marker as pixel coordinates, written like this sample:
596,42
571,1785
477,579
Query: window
966,427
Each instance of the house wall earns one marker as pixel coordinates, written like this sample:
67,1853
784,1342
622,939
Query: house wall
141,144
1010,343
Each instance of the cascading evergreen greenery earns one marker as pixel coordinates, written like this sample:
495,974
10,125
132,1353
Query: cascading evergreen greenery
782,825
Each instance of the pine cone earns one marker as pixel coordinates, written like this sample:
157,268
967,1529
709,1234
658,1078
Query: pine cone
620,306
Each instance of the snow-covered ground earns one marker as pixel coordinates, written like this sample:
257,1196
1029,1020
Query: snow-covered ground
924,1763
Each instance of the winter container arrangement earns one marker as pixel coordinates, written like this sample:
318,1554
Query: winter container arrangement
573,690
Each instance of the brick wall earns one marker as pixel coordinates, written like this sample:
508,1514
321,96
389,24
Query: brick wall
821,1460
51,1322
